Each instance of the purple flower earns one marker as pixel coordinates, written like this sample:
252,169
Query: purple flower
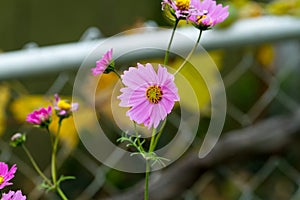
181,9
40,117
6,175
104,65
63,107
12,195
150,95
208,13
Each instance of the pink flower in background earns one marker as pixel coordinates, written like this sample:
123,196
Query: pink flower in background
208,13
64,108
40,117
12,195
150,95
103,63
6,175
181,9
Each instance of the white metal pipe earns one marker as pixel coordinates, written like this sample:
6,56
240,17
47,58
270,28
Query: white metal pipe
57,58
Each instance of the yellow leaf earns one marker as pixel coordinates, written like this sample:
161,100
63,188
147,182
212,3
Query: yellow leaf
206,62
283,7
24,105
265,55
251,9
4,98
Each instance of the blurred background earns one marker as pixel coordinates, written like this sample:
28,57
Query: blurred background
258,153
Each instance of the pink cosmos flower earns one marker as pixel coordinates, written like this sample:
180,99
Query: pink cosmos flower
12,195
40,117
63,108
150,95
181,9
103,63
208,13
6,175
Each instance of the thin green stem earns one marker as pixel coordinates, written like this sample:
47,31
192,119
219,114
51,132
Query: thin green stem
146,193
152,147
53,162
50,135
170,43
138,137
53,156
190,54
61,193
118,75
160,133
36,167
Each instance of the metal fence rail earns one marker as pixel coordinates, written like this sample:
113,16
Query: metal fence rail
69,56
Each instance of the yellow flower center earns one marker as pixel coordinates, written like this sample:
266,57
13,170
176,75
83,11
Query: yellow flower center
154,94
183,4
200,18
64,105
1,179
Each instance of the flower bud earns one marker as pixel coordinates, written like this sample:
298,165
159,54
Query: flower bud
17,139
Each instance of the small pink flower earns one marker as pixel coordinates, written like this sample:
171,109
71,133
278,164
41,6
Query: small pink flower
12,195
6,175
40,117
63,108
103,65
150,95
181,9
208,13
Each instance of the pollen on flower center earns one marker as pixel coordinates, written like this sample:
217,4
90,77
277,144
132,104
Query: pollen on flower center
62,104
154,94
183,4
1,179
200,18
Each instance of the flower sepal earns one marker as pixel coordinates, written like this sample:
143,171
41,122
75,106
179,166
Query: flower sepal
17,139
110,68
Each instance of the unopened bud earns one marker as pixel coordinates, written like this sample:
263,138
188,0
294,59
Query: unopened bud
17,139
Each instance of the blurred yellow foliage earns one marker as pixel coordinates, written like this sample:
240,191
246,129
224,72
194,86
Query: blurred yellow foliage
265,55
207,62
24,105
284,7
251,9
4,98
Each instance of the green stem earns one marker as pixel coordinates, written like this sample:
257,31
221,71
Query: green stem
53,163
146,193
138,137
170,42
118,75
160,132
190,54
152,147
53,156
36,167
50,135
61,193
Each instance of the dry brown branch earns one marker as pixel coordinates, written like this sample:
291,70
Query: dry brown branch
265,137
